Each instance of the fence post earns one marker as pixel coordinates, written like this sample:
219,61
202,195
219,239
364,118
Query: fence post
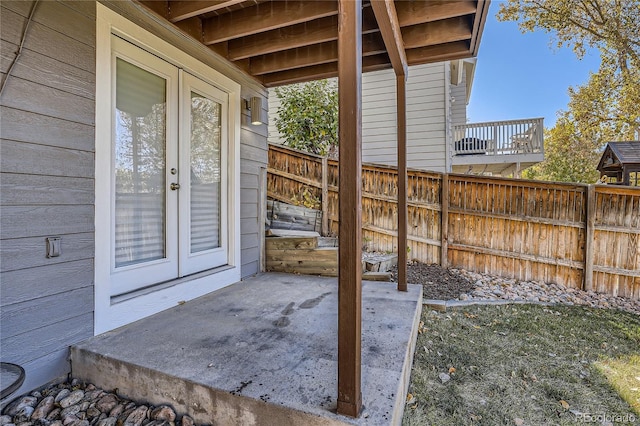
325,197
444,220
590,221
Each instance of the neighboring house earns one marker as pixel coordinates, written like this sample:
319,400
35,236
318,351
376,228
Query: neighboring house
438,135
132,168
620,163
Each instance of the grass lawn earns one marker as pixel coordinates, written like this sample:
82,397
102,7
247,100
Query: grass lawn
525,365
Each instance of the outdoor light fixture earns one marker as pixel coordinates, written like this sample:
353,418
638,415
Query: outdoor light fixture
255,106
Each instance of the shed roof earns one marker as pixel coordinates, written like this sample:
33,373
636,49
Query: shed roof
618,154
286,41
626,152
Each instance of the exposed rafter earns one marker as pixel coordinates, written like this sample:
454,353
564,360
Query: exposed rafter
478,25
316,72
286,41
180,10
439,32
264,17
372,44
304,34
385,12
421,11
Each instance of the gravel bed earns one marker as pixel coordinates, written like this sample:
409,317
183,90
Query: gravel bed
459,284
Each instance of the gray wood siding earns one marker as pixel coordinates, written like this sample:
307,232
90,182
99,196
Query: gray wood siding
253,158
47,186
47,164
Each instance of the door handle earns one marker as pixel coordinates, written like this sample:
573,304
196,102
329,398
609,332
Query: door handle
174,186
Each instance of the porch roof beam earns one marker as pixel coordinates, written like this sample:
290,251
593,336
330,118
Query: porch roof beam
304,34
438,53
264,17
372,44
478,25
433,33
181,10
316,72
385,12
421,11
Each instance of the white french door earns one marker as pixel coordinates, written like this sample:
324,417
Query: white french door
169,171
203,160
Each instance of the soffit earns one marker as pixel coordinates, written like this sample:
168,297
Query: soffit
288,41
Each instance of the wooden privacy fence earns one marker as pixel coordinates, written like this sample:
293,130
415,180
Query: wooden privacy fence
581,236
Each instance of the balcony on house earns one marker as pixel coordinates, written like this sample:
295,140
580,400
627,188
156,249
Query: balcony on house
497,147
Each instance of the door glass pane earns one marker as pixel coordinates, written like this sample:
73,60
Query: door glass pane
205,173
140,136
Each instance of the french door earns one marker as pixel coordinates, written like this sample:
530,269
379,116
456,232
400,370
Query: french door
169,171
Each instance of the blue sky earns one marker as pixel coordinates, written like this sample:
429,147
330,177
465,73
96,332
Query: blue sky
522,75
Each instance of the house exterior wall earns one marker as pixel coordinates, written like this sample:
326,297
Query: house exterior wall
426,117
47,166
459,102
47,159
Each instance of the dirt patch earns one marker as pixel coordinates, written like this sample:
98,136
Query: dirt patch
437,282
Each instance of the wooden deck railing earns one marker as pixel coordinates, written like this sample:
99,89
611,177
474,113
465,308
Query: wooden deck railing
499,137
581,236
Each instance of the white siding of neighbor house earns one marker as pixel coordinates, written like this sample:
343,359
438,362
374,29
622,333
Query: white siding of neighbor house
426,117
47,159
274,103
459,102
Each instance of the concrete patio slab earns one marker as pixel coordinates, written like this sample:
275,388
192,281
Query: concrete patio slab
262,351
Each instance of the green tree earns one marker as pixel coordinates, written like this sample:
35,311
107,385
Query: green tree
607,106
570,157
307,117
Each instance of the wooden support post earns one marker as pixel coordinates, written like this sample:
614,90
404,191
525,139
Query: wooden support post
401,110
444,221
325,197
590,221
350,210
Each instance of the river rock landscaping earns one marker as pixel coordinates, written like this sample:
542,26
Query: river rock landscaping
79,404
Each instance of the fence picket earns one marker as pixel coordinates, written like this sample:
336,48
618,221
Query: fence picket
572,234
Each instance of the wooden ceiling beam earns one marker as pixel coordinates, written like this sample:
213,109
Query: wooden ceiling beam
421,11
372,44
385,13
317,72
264,17
432,33
191,26
478,25
304,34
299,35
440,52
180,10
159,7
